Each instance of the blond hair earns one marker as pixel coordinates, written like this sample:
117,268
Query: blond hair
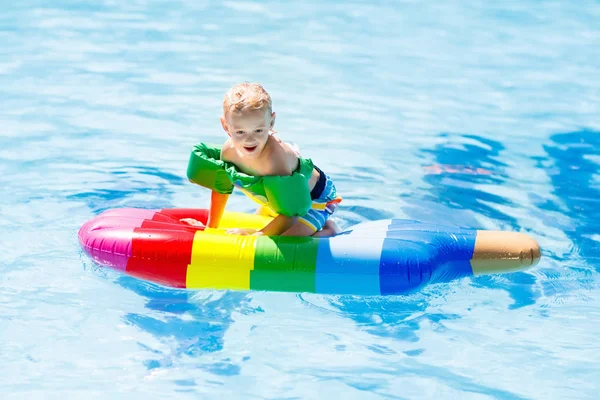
246,96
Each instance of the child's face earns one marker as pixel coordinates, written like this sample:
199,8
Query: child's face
249,130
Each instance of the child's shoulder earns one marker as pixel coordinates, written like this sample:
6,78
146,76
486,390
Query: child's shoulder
285,148
227,150
284,157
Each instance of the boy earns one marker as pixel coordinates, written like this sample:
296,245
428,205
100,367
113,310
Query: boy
290,188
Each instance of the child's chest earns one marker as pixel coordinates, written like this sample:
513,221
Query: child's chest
254,167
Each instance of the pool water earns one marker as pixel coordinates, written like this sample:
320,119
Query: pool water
475,114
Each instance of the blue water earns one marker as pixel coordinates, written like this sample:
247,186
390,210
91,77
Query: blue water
472,113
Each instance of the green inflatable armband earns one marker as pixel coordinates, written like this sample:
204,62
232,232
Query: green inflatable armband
288,195
206,169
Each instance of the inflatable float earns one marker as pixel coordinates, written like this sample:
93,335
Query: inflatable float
385,257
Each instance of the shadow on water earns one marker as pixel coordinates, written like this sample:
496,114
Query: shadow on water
190,327
573,166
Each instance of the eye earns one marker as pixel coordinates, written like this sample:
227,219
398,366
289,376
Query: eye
258,131
239,132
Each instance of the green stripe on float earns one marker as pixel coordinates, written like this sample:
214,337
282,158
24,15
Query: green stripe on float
283,263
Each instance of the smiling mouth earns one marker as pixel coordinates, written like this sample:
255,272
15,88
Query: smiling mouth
250,148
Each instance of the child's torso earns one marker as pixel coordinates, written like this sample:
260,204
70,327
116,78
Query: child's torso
277,158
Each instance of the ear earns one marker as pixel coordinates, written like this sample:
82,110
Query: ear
273,115
224,125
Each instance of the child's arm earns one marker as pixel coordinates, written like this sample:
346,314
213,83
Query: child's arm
218,201
206,169
279,225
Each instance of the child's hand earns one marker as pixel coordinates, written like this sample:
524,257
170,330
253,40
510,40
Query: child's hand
244,231
191,221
